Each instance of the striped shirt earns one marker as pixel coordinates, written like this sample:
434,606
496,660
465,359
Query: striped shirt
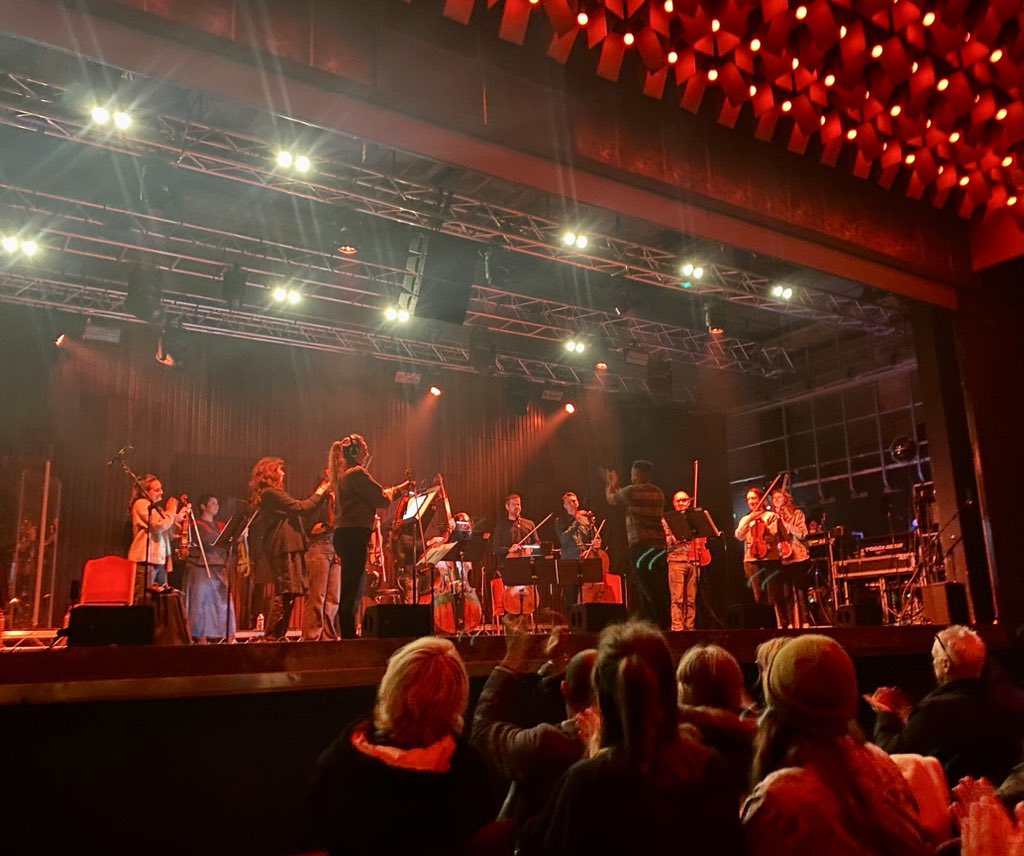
644,504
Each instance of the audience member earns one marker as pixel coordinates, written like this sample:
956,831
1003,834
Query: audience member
819,788
651,788
712,698
973,726
532,759
404,780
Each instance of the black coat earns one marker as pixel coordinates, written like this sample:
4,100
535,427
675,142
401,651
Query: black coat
973,728
359,804
281,524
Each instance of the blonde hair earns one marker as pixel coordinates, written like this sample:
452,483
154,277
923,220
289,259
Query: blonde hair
709,676
423,695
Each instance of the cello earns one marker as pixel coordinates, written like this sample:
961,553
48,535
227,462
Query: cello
456,606
605,591
521,600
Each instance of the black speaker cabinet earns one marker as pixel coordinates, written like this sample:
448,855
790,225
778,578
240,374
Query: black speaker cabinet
867,614
593,617
397,620
945,603
750,616
110,625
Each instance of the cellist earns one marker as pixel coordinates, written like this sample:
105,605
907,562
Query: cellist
759,530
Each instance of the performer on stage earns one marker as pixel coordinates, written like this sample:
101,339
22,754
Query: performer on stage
320,616
577,532
644,503
152,528
211,616
284,538
357,498
795,557
683,567
760,532
508,533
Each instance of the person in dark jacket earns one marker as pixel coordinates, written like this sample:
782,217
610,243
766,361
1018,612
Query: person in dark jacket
284,537
532,758
404,780
650,788
973,726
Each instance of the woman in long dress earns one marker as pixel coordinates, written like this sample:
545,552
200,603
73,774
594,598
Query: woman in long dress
211,615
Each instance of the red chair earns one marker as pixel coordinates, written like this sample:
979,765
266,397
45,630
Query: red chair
109,580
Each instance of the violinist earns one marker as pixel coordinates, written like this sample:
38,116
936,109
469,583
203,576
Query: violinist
796,558
152,528
577,533
211,616
683,566
760,532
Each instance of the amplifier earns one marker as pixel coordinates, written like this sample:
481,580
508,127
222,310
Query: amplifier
874,566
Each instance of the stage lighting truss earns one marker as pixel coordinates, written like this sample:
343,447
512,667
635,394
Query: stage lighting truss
198,252
15,246
343,178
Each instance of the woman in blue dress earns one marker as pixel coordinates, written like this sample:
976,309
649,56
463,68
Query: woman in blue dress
210,615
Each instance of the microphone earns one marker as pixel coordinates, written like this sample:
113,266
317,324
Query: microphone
120,454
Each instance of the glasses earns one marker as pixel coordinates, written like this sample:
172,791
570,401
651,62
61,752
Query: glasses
942,645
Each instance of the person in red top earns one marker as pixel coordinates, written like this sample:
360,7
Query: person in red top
357,498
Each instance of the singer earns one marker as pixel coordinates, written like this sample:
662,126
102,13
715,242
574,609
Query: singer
357,498
152,528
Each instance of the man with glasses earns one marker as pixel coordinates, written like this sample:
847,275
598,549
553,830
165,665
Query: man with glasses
974,726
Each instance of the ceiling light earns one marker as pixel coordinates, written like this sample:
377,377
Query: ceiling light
601,366
569,239
698,272
570,346
29,248
581,242
61,339
688,269
403,316
435,391
302,163
122,121
280,294
713,319
294,296
10,244
570,408
580,347
795,64
391,314
285,159
100,115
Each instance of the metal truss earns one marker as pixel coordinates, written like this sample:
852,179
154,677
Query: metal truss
98,299
356,183
81,228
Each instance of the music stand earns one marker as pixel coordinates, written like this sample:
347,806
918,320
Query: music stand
235,530
570,572
419,503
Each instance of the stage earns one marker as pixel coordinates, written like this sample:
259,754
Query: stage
32,673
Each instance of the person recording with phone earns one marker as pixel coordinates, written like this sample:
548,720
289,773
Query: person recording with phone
357,498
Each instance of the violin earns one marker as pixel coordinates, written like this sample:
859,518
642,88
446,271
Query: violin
699,552
184,546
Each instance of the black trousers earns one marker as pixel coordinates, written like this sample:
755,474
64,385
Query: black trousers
650,572
350,545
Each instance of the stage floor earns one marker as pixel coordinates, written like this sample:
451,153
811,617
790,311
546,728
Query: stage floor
34,674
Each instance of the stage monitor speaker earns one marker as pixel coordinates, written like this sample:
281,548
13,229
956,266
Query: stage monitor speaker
397,620
449,272
750,616
866,614
93,625
945,603
594,617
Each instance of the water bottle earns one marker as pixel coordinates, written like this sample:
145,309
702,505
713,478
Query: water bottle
259,623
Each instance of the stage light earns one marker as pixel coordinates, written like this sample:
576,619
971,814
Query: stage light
61,339
29,248
688,269
570,408
601,366
280,294
628,39
10,244
570,346
403,316
569,239
100,115
581,242
122,121
713,319
698,272
294,296
302,163
435,391
407,378
391,314
928,19
673,57
285,159
233,287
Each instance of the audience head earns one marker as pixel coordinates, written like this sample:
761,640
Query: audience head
423,694
958,654
636,690
811,686
709,676
578,684
766,651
